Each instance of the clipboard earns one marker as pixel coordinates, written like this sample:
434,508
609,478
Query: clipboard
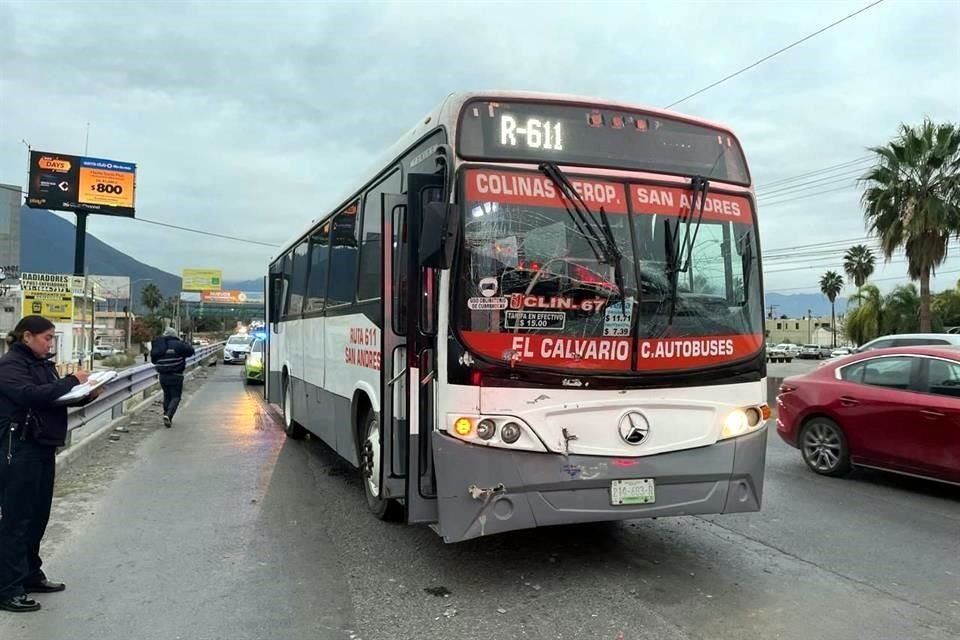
81,391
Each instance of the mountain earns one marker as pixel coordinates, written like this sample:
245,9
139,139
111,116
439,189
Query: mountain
56,236
797,305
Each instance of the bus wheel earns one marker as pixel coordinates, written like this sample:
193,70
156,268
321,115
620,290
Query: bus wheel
384,509
293,430
824,447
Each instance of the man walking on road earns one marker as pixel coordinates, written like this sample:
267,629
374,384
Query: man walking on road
169,355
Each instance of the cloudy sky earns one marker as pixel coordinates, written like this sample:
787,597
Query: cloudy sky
252,118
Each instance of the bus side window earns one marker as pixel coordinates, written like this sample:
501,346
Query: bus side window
298,282
276,292
319,262
370,278
343,257
284,292
399,288
430,284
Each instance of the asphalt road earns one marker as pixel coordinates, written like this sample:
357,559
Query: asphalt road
221,528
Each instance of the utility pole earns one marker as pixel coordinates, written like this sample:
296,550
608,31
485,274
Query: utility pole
809,336
773,308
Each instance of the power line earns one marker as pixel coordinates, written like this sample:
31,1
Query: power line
177,227
868,282
809,195
205,233
774,54
811,184
842,165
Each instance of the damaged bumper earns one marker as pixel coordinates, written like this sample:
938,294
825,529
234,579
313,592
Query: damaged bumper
486,490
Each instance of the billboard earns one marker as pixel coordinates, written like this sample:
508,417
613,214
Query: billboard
112,287
47,282
202,279
56,307
84,185
47,294
223,297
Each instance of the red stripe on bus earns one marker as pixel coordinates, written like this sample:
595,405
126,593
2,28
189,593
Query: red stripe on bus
667,354
537,190
612,354
670,201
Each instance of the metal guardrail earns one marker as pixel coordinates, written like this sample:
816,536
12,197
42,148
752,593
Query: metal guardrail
128,383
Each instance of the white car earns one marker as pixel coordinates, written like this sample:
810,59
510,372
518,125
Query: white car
911,340
779,354
102,351
237,348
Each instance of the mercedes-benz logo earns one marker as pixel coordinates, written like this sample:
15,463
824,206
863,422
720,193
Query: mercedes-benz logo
634,428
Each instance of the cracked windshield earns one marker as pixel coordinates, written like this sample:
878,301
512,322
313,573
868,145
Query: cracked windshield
539,284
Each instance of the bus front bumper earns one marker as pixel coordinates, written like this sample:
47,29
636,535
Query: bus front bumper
487,490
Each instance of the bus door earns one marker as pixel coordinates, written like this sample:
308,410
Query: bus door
276,291
409,349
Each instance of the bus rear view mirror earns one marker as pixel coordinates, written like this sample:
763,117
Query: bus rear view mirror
438,235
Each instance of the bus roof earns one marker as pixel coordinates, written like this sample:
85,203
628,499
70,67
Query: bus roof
445,114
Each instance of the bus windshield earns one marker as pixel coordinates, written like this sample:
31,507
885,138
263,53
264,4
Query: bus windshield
534,290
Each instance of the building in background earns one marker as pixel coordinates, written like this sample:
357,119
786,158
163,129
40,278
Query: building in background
11,197
805,330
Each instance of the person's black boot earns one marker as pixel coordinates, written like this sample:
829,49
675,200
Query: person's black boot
43,586
19,604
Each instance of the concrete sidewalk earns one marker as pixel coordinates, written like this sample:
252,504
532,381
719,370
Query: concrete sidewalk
206,535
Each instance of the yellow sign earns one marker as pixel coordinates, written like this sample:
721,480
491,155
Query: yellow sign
106,187
202,279
57,307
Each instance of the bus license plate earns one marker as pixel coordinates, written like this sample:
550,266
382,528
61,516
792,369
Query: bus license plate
639,491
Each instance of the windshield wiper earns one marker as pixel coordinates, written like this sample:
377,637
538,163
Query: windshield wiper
598,235
679,252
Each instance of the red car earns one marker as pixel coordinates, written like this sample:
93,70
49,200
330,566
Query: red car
891,409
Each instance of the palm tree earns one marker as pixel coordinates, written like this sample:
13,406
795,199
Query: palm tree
151,297
912,199
858,263
831,283
902,309
866,321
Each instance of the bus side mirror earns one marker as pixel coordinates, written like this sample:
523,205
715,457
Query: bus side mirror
438,235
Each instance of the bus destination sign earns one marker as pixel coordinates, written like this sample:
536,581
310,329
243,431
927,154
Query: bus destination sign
82,185
598,137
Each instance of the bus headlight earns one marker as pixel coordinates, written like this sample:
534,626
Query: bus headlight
510,432
505,432
741,421
735,424
486,429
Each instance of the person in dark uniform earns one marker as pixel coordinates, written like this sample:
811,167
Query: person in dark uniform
32,426
169,355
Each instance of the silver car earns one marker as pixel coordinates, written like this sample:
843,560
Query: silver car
911,340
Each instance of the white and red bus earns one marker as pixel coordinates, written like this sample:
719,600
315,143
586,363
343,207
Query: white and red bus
536,310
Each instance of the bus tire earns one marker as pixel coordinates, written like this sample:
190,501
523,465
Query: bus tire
290,426
383,508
